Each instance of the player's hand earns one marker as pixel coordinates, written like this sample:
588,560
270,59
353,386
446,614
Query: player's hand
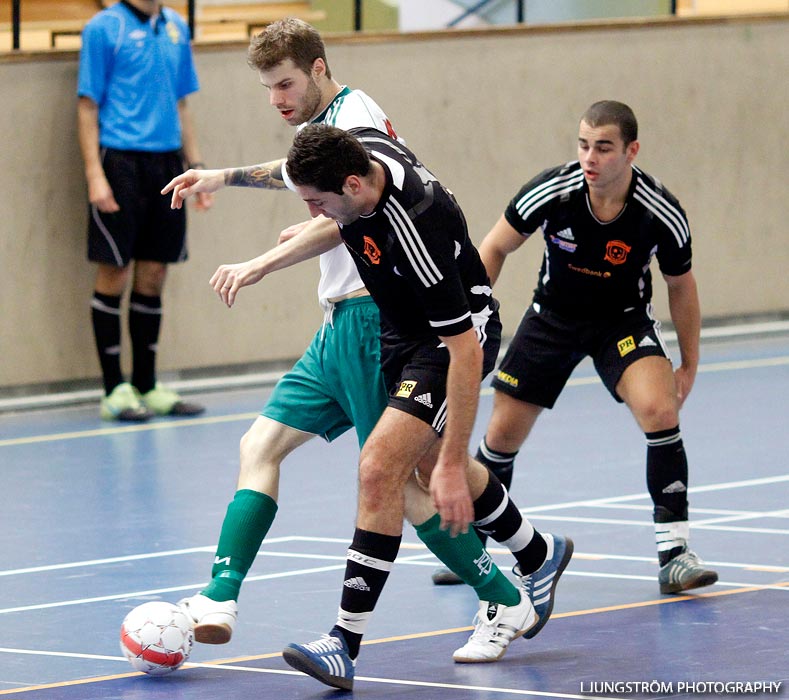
228,279
101,196
451,496
204,201
291,231
684,378
193,182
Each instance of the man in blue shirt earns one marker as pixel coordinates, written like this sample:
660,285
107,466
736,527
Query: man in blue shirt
135,132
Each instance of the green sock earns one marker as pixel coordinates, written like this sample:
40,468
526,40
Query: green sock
248,519
466,556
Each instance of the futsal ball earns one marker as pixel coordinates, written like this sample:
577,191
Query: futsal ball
157,637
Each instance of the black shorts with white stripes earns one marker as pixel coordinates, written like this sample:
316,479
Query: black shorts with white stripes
547,348
145,227
416,373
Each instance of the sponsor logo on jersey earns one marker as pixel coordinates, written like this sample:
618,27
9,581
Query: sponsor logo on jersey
406,387
567,234
425,399
173,33
626,345
371,251
507,378
564,245
616,252
587,271
647,342
357,583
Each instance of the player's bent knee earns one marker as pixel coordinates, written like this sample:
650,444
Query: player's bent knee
657,415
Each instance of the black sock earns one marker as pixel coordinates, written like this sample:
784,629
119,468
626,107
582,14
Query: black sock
145,318
496,514
370,559
667,481
500,463
106,318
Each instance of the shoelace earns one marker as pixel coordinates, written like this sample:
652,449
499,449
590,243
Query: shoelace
325,643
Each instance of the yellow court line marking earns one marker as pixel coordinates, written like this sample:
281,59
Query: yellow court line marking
100,432
418,635
185,422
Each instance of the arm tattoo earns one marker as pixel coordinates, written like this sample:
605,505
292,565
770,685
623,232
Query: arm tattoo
265,175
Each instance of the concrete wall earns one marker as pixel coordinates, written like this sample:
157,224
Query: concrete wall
485,111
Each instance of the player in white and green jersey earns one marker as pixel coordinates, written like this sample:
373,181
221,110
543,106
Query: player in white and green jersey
337,384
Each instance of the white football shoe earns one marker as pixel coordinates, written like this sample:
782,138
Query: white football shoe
213,620
495,626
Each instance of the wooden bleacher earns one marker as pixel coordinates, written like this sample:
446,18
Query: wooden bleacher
707,8
58,23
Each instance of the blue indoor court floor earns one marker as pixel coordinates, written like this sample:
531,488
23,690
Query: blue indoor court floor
98,518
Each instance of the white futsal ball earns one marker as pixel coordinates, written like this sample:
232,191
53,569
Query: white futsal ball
157,637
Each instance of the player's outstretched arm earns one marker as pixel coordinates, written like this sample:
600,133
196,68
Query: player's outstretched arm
320,235
448,480
263,175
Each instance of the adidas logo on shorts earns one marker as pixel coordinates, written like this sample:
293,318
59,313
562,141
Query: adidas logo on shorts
646,342
425,399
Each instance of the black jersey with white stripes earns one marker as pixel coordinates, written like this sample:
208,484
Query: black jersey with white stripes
592,268
413,252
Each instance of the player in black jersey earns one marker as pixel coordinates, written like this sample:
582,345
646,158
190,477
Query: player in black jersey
603,220
440,336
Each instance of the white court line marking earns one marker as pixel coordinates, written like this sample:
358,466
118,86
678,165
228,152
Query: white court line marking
66,654
762,481
636,577
533,511
155,592
693,510
643,523
783,513
153,555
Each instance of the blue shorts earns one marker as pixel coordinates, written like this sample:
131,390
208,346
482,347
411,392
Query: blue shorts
337,383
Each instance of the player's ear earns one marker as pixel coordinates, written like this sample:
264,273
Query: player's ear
632,150
352,185
318,68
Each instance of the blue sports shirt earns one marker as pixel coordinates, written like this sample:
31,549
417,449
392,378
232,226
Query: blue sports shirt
136,70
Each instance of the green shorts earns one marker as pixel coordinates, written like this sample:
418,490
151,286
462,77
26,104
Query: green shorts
337,384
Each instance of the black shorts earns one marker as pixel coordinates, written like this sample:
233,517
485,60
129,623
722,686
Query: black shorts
145,228
416,373
547,347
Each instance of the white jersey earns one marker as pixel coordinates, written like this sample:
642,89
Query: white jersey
348,109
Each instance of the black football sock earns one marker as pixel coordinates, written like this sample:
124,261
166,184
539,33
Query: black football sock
667,481
106,318
370,559
145,318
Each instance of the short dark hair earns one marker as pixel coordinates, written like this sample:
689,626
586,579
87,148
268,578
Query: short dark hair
287,38
324,156
613,112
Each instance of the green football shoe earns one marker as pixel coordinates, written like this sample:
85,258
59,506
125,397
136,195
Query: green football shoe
166,402
123,403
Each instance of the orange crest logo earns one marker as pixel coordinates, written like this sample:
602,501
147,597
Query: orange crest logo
371,250
616,252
